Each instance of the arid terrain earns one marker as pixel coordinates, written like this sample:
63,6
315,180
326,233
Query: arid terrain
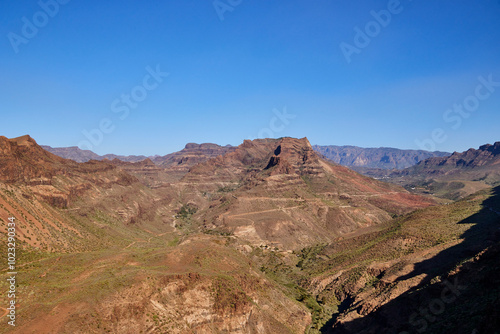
452,177
382,157
265,237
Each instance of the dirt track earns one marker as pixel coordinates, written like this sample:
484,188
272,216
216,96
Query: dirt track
257,212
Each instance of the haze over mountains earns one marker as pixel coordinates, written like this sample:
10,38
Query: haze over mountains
267,236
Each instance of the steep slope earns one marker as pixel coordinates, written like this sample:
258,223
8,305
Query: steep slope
383,157
21,159
99,253
434,270
157,285
64,203
279,192
442,283
267,238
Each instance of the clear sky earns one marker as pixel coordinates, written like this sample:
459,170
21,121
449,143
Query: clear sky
367,73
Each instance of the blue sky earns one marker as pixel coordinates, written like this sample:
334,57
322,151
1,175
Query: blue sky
229,78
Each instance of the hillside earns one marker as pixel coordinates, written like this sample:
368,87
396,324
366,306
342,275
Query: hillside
382,158
102,236
192,154
91,238
361,159
279,192
268,237
189,156
486,157
453,177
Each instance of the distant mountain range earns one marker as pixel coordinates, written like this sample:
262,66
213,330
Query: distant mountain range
447,175
486,156
349,156
452,177
268,236
383,157
76,154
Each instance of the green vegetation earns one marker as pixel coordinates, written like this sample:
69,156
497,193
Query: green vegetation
186,211
407,234
174,242
308,255
218,232
226,189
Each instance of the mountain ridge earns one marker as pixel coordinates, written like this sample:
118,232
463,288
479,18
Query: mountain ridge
382,157
268,236
351,156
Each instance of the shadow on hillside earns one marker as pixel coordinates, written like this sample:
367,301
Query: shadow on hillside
464,303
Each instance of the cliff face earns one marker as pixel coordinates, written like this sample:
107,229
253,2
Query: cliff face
280,192
267,237
384,158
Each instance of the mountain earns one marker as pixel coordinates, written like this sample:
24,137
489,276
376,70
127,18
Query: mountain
76,154
23,160
383,158
453,177
110,245
268,237
361,159
486,157
192,154
43,188
280,192
434,270
187,157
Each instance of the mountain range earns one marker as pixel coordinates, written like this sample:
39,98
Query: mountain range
452,177
265,237
383,157
350,156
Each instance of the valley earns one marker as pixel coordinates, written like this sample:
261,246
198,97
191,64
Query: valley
265,237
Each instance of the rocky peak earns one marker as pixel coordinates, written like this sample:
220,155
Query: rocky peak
494,149
25,140
17,156
271,156
295,155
